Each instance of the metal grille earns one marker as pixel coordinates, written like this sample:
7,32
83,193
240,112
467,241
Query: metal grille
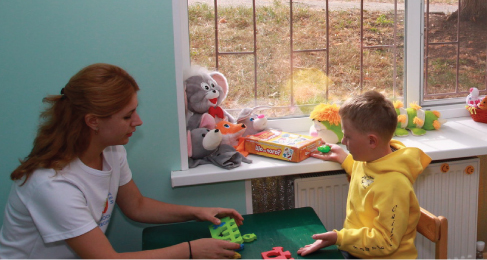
443,77
392,47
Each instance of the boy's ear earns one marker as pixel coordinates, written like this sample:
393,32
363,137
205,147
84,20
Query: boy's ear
373,140
91,121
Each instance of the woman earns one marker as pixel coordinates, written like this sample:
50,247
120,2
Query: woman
63,194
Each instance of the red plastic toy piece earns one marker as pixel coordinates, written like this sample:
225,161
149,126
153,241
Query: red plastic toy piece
276,253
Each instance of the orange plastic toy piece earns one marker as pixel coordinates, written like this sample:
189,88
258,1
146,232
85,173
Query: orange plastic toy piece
276,253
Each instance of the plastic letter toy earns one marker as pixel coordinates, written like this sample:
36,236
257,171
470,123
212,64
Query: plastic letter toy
227,230
324,148
276,253
249,237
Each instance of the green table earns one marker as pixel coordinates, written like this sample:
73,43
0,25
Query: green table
290,229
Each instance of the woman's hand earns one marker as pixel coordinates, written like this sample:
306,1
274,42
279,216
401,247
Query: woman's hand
214,214
210,248
336,154
322,240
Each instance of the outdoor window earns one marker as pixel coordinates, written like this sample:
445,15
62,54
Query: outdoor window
454,49
293,55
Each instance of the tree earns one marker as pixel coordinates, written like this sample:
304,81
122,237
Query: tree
471,10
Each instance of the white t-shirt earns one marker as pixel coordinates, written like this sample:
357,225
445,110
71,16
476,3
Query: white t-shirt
50,208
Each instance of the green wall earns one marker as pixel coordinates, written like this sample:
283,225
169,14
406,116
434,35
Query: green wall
43,43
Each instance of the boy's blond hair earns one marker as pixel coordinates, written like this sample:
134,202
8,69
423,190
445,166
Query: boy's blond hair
371,112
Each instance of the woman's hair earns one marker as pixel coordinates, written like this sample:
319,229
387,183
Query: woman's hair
100,89
371,112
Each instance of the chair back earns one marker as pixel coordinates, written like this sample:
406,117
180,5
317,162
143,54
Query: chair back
436,230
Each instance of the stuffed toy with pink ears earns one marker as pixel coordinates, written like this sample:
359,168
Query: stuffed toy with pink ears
254,121
205,91
205,147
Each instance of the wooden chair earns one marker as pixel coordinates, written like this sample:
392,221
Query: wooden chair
436,230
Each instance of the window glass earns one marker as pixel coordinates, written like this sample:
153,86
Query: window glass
293,55
455,49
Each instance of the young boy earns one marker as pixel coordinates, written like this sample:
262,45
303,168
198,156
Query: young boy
382,209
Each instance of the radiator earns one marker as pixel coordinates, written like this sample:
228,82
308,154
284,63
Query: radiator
448,189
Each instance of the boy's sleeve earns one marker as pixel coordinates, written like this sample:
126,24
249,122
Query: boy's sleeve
382,230
347,165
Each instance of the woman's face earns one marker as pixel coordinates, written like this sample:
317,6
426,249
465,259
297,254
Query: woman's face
118,128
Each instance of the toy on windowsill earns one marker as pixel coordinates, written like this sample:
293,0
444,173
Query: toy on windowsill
416,120
473,98
255,122
204,93
205,147
326,123
479,112
232,135
281,145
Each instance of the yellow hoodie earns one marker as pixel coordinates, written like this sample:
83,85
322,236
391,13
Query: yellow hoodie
382,209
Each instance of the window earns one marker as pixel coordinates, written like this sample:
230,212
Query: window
403,44
292,56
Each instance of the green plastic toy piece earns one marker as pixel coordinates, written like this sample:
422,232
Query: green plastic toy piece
249,237
227,230
324,148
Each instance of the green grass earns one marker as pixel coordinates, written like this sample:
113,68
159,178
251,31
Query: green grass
311,83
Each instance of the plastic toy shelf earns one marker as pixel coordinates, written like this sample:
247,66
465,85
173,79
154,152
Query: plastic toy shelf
457,138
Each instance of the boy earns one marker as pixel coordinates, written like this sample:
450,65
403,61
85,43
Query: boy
382,209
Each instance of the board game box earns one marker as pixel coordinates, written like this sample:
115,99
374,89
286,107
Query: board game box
281,145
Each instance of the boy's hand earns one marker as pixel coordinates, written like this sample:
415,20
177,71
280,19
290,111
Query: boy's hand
336,154
322,240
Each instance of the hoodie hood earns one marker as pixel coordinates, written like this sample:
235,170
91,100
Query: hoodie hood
409,161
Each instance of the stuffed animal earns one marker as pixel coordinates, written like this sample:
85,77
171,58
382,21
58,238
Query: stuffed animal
254,122
205,147
483,104
402,119
201,143
473,98
326,123
416,120
231,132
205,91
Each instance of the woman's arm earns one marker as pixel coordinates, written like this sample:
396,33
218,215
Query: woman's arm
147,210
95,245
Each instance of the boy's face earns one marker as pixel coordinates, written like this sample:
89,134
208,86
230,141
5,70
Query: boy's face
357,143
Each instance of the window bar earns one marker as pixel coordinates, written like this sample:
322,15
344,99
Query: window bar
254,52
291,47
361,83
293,51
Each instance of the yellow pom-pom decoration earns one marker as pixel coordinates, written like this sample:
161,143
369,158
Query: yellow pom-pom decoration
326,112
436,124
414,106
398,104
418,121
402,118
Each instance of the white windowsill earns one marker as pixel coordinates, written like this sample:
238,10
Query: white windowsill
458,137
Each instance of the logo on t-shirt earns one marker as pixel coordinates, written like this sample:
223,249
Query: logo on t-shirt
105,218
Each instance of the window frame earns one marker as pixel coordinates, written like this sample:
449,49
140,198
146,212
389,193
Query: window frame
413,82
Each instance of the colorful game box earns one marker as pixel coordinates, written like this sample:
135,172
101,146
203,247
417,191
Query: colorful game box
281,145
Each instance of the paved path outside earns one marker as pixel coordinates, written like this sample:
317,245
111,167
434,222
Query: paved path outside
333,5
